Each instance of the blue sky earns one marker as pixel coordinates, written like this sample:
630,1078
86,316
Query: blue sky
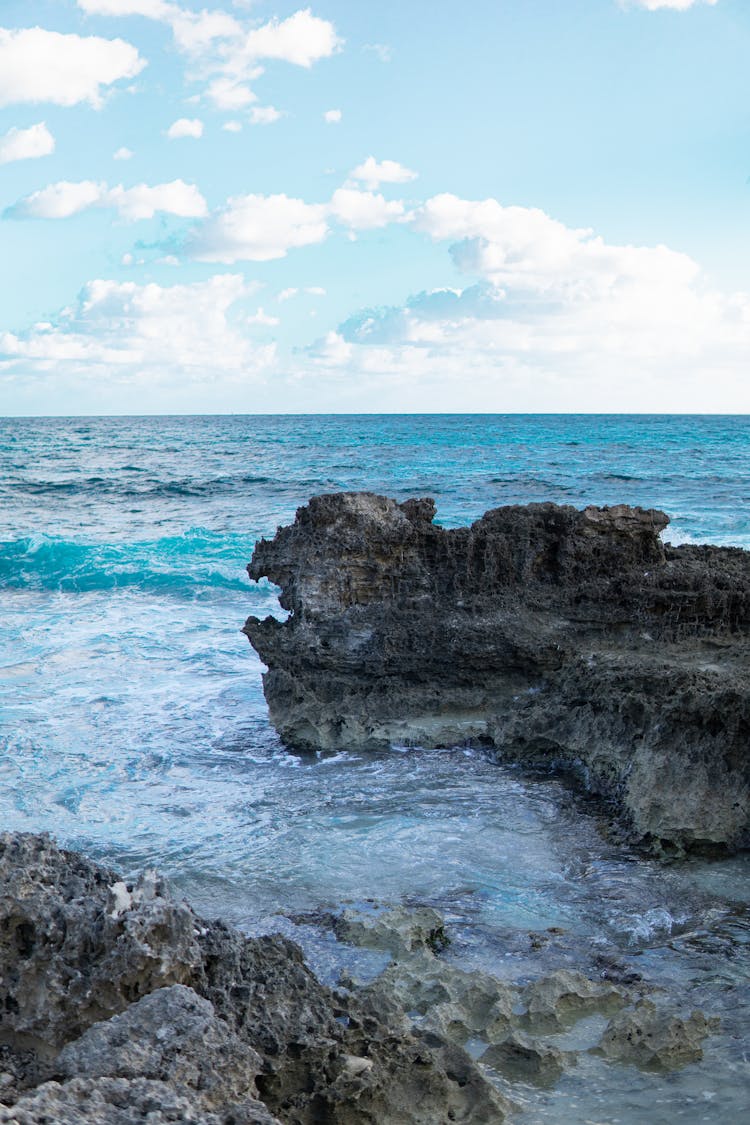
505,205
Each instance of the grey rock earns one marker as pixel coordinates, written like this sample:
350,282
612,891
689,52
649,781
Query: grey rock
574,639
553,1002
398,930
135,1009
78,944
122,1101
654,1038
172,1035
522,1058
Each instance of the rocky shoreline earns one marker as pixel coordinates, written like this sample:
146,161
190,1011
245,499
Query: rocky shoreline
576,640
118,1005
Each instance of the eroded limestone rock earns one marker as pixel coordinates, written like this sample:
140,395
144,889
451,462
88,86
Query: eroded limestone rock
554,1001
565,637
77,944
171,1035
398,930
137,1010
520,1057
122,1101
655,1038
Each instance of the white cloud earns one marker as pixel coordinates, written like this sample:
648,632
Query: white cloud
363,210
555,318
124,332
61,200
26,144
525,249
332,116
197,33
45,66
123,154
263,318
258,228
293,291
674,5
228,51
302,39
185,127
232,126
373,173
226,94
265,115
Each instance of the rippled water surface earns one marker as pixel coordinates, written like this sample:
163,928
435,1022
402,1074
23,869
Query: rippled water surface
133,726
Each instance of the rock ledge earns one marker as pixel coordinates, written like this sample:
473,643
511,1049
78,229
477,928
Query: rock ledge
570,638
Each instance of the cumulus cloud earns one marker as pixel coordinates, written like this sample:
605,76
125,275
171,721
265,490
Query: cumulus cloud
373,173
258,228
332,116
26,144
554,318
63,199
185,127
45,66
265,115
228,51
364,210
226,94
232,127
301,39
123,154
140,333
263,318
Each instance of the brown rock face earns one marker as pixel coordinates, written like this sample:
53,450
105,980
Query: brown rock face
575,638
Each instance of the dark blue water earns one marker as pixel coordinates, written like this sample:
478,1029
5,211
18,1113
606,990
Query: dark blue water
132,721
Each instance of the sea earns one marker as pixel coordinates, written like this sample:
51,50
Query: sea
133,725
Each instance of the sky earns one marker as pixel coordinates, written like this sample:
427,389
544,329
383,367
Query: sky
410,206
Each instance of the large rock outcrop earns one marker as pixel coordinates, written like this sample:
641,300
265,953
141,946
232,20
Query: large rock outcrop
572,638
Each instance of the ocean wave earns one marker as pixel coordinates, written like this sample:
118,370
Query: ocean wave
181,565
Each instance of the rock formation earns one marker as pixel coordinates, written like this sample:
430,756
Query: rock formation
119,1005
575,639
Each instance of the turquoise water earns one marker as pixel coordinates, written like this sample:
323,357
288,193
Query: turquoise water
133,726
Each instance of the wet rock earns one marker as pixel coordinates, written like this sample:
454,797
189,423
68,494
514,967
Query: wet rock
571,639
654,1038
554,1001
518,1057
399,930
136,1010
455,1003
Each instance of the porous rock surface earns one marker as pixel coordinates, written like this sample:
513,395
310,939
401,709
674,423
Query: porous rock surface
569,638
119,1005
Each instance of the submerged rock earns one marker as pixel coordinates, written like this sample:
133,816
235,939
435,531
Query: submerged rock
654,1038
120,1005
575,639
519,1057
556,1000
